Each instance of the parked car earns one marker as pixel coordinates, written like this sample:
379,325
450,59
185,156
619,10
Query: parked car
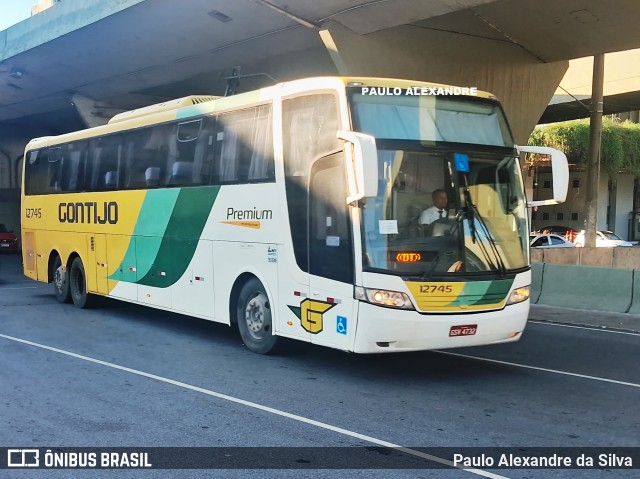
556,230
549,241
567,233
604,239
8,241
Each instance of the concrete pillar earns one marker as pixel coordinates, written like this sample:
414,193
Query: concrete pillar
523,84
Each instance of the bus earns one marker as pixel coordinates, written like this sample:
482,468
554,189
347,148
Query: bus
296,211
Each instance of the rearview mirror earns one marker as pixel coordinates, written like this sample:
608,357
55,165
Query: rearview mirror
362,172
559,173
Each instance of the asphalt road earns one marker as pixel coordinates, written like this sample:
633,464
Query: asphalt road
127,376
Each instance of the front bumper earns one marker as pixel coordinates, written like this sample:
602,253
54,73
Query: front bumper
384,330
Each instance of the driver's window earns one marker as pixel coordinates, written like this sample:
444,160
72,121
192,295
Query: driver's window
412,181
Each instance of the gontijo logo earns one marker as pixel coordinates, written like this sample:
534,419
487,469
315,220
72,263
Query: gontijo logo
311,312
88,212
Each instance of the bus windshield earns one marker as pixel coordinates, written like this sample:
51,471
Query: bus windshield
427,118
428,219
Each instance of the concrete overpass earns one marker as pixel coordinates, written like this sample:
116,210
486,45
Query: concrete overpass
621,88
79,63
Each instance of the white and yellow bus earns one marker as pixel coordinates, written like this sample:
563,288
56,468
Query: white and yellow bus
295,211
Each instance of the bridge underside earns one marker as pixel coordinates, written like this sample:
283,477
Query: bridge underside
79,63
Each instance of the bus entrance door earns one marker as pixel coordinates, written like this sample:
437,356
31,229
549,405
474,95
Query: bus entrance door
330,254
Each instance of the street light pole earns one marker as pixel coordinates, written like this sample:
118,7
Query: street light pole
595,140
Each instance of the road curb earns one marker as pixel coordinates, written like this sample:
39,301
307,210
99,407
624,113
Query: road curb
623,322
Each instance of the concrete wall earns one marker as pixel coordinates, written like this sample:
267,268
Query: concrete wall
586,287
618,258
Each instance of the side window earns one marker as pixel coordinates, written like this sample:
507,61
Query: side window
44,172
309,128
261,166
158,152
134,159
310,124
542,241
37,173
104,170
555,240
194,147
54,170
72,167
244,147
183,169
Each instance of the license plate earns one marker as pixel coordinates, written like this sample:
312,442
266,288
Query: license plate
465,330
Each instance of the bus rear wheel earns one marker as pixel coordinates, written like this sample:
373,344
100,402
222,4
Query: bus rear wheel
60,280
78,285
255,321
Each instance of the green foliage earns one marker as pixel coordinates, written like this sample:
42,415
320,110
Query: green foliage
620,143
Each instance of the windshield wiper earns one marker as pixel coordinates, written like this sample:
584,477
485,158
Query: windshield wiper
473,213
434,262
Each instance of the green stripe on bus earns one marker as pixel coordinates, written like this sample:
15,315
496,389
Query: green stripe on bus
482,292
496,292
181,237
152,221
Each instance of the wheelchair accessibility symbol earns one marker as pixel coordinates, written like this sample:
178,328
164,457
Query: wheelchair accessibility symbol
341,325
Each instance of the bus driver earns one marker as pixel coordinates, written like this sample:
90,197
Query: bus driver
438,210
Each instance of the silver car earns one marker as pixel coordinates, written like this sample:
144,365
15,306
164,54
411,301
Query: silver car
604,239
543,240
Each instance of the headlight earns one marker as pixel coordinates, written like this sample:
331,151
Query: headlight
519,295
382,297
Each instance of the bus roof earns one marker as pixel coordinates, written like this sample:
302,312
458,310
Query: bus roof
190,106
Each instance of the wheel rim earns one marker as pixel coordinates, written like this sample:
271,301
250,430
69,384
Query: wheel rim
59,278
258,316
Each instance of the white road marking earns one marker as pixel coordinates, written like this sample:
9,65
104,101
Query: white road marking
295,417
589,328
546,370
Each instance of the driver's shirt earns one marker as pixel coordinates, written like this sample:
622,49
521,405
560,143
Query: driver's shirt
431,214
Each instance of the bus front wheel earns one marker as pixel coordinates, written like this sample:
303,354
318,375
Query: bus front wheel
78,285
60,280
255,319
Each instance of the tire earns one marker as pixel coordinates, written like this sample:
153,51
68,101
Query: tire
254,318
78,285
60,281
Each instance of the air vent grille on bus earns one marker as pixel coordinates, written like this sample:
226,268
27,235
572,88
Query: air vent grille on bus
161,107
